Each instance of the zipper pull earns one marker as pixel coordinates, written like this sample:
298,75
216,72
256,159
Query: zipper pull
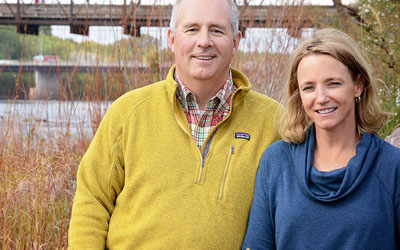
232,149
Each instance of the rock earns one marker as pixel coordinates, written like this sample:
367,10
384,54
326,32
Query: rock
394,138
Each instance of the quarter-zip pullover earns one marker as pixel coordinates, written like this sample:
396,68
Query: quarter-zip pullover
144,183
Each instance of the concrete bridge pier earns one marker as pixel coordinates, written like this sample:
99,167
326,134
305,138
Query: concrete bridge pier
47,85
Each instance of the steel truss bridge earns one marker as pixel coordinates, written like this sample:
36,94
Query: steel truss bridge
78,67
132,16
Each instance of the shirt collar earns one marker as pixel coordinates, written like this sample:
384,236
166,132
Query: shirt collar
186,96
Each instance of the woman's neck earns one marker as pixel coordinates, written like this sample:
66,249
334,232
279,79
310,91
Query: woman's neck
334,150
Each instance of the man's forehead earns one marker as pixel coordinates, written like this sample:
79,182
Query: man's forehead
219,16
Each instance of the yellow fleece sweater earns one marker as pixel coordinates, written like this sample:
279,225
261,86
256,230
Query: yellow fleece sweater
143,183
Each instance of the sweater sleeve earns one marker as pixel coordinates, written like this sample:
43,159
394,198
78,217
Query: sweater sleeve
100,179
260,230
391,160
397,203
397,223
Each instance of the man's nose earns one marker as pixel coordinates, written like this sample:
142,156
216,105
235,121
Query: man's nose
204,39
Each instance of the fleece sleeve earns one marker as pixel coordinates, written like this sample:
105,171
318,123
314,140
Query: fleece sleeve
397,206
100,179
260,229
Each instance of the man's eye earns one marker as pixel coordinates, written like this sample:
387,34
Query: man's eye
216,31
191,30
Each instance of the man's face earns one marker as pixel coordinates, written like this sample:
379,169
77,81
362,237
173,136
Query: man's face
203,44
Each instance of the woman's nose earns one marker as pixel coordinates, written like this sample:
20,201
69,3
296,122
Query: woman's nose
322,95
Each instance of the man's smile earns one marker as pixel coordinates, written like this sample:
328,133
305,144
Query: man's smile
205,58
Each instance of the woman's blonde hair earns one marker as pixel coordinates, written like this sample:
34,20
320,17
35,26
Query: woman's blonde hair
369,115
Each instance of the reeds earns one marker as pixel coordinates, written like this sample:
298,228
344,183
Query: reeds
38,159
42,142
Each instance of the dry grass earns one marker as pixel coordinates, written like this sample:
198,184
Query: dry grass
38,168
38,163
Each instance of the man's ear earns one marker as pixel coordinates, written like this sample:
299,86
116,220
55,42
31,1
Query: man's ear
171,40
236,42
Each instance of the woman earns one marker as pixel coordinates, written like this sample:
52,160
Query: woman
332,183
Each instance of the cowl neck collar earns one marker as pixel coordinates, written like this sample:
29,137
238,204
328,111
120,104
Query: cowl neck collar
344,180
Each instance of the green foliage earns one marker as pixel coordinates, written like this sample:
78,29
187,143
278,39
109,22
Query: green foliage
381,33
76,85
381,30
8,36
93,86
26,46
375,25
8,84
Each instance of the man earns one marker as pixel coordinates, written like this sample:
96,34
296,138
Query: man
173,164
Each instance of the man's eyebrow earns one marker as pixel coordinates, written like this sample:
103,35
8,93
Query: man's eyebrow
219,26
191,24
215,25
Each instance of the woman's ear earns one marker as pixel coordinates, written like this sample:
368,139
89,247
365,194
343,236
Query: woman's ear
358,86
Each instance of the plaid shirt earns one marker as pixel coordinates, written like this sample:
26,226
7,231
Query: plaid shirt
216,110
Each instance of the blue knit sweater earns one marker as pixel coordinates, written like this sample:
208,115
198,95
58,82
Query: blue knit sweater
295,206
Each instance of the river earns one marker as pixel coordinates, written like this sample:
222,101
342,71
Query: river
74,117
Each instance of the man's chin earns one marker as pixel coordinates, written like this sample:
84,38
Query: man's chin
203,75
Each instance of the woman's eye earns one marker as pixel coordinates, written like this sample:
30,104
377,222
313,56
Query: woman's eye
307,88
335,83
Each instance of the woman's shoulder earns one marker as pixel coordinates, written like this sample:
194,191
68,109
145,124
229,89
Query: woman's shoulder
277,148
386,161
390,154
387,169
391,147
282,145
276,156
385,151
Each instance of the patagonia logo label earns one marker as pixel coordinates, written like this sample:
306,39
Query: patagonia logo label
241,135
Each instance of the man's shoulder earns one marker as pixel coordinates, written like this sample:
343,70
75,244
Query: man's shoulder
263,102
126,104
141,95
261,98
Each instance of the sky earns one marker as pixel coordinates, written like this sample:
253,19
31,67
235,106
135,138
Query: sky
256,38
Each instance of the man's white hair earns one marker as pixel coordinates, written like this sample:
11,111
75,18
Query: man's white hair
234,17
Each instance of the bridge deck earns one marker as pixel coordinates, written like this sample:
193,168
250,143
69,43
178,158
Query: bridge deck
64,67
145,15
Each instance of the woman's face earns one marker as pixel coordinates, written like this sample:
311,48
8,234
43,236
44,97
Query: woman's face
327,92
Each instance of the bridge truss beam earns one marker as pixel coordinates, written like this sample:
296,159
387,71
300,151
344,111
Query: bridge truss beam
133,16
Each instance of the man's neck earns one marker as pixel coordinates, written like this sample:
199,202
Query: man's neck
204,90
203,95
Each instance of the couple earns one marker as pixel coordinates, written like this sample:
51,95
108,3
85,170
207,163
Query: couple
173,165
